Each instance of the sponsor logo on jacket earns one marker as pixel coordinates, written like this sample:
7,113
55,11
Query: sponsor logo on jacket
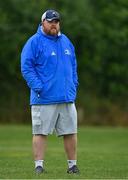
53,53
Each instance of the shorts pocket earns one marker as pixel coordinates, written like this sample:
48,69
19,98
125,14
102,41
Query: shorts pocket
36,115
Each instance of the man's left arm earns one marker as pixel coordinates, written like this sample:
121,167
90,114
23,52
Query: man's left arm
74,65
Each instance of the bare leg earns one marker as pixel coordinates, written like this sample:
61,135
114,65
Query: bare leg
39,146
70,145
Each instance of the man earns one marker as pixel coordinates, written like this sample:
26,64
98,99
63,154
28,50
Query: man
48,65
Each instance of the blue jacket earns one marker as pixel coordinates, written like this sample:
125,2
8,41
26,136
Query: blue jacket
48,64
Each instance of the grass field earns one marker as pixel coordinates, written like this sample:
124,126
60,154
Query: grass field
102,153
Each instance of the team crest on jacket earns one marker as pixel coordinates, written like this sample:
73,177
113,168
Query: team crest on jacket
66,51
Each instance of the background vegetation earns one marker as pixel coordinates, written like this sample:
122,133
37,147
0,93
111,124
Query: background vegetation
99,31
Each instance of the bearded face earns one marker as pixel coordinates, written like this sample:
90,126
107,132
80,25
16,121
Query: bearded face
51,27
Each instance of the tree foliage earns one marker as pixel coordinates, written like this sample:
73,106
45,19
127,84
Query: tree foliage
99,32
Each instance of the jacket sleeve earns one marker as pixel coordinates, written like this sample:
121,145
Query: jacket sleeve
74,64
27,66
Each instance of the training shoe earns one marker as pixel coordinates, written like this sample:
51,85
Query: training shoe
73,170
39,170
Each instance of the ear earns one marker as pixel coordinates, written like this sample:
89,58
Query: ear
42,23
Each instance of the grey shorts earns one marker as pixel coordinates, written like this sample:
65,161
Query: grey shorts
59,117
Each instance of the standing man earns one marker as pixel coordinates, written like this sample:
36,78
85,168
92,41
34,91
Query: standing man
48,65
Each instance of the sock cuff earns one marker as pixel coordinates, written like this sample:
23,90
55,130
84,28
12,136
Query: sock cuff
39,163
71,163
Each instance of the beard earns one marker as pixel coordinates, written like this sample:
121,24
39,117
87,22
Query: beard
53,31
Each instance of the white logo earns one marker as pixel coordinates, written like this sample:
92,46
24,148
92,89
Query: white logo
53,53
67,52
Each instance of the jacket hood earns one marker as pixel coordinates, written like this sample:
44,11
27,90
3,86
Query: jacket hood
42,33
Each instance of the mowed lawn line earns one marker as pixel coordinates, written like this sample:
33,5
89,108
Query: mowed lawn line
102,153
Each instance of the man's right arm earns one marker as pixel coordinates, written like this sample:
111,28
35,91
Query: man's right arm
28,68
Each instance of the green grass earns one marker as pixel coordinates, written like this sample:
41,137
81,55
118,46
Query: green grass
102,153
